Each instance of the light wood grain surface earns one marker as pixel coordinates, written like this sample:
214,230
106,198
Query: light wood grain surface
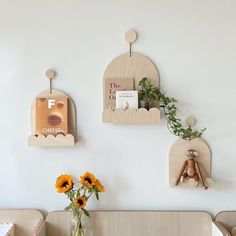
137,223
131,36
137,66
227,219
177,156
132,116
40,229
51,141
25,221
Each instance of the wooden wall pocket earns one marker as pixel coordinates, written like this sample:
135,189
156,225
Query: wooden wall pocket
124,73
190,164
53,118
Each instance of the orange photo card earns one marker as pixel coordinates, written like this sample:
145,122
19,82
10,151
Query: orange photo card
51,116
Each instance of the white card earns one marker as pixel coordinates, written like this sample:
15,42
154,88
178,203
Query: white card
126,99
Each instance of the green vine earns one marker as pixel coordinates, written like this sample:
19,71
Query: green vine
150,93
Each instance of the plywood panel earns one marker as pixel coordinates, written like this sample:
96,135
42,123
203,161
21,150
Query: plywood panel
132,116
136,66
138,223
25,221
40,229
58,223
177,156
227,219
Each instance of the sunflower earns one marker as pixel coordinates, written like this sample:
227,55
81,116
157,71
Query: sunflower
80,202
64,183
88,179
99,186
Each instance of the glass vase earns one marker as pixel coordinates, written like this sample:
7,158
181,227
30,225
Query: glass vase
76,228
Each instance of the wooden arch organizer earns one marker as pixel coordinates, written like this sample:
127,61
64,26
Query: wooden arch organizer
51,140
136,66
177,157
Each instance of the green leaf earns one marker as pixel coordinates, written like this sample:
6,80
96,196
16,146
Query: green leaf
85,212
149,93
68,208
97,196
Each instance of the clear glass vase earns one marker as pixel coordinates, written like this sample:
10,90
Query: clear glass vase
76,228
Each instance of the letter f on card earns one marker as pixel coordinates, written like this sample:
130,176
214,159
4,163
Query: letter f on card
51,102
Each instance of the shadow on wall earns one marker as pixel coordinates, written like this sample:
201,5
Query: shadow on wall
222,185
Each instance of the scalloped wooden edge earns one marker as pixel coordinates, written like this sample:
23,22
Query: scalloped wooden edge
51,141
130,115
191,183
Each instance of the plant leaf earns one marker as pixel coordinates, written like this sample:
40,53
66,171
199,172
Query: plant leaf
85,212
149,92
68,208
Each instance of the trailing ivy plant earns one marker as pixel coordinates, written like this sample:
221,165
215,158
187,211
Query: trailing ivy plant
150,93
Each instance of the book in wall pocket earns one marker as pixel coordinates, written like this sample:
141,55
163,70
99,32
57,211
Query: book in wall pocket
126,99
112,85
51,116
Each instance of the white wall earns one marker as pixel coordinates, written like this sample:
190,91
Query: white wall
192,43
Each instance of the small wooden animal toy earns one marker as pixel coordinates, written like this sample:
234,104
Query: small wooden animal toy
191,169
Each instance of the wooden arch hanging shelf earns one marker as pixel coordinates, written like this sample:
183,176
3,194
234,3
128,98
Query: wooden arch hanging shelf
53,118
129,66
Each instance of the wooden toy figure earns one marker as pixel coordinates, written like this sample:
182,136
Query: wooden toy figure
191,169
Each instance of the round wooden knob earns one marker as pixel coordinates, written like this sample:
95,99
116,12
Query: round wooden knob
130,36
50,74
191,121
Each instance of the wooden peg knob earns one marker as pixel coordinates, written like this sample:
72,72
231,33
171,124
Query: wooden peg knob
191,121
50,74
131,36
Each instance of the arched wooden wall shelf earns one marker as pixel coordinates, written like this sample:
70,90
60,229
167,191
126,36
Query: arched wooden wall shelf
177,156
135,66
51,140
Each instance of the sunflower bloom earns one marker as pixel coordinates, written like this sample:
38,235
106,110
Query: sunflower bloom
64,183
80,202
99,186
88,179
